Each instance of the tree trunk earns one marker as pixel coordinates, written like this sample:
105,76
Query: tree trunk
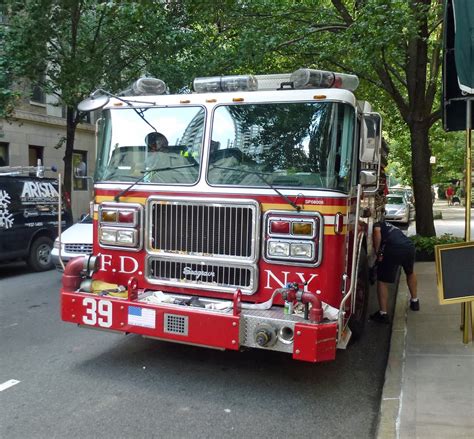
421,176
68,174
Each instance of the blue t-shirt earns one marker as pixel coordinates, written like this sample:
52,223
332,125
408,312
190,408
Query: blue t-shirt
393,237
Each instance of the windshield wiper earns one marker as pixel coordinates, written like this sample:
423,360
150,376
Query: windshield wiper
145,173
269,184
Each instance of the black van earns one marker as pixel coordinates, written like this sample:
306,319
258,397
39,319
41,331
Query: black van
29,219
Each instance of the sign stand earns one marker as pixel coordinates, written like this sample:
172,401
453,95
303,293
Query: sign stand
467,308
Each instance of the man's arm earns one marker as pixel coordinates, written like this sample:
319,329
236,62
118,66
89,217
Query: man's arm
377,235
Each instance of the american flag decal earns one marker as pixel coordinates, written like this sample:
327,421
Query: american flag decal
138,316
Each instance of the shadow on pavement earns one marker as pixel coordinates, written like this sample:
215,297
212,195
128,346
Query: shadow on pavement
11,269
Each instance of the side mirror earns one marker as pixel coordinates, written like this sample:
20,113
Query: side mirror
368,177
371,136
81,170
93,103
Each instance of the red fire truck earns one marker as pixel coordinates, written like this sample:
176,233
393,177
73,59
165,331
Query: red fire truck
231,217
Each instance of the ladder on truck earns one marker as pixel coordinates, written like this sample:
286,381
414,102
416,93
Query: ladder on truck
39,170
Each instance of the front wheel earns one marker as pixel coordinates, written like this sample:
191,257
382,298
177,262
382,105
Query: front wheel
39,258
358,318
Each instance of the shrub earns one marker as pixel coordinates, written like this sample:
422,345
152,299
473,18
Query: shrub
427,244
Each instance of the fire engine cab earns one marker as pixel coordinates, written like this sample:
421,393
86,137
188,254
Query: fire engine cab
231,217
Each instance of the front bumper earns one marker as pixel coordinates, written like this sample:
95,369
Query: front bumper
231,330
397,218
57,263
66,257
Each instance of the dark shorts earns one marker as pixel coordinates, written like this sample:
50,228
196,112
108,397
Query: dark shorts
388,267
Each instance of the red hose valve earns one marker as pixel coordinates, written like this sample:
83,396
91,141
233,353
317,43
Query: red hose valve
316,312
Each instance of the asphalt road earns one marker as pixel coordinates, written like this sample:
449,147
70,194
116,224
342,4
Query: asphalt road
79,383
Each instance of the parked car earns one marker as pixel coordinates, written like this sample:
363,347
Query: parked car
405,191
28,218
75,241
397,209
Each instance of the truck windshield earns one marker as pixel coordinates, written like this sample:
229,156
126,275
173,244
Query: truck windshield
293,144
162,143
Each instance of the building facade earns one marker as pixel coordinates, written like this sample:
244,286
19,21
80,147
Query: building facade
37,131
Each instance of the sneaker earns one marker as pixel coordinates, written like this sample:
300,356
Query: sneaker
415,306
380,318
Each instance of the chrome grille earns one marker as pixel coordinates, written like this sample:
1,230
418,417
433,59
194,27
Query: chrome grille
78,248
204,228
205,275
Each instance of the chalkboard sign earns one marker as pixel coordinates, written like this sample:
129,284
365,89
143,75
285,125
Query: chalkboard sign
455,272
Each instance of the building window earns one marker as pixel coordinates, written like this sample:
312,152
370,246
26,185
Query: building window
79,160
3,14
38,96
4,154
35,153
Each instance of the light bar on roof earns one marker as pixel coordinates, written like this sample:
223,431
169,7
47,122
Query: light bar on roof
300,79
225,83
274,81
145,86
310,78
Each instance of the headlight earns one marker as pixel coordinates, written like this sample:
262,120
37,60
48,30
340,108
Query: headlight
291,250
402,211
126,236
302,250
57,246
120,225
108,236
293,238
278,249
118,237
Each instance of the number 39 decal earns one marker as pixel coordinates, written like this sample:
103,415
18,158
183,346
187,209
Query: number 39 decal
98,312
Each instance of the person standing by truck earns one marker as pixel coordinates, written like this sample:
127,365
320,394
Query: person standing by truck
393,249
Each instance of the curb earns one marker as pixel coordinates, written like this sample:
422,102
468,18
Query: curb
391,401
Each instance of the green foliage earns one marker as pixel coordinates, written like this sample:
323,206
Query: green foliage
449,149
71,48
427,243
392,45
7,95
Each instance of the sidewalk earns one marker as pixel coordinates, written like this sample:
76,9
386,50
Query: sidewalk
429,381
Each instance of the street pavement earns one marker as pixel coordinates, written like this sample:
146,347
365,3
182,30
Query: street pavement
452,220
79,383
429,381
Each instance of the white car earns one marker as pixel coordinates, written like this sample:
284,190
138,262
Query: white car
75,241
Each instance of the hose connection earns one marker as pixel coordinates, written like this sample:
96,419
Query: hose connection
78,269
293,293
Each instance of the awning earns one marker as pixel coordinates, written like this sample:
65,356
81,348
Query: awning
463,11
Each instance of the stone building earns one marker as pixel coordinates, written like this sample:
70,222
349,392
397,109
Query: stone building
37,130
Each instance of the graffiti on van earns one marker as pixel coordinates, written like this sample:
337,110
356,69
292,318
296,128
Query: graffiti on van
6,218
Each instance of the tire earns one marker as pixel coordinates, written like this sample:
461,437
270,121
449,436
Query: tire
39,258
359,317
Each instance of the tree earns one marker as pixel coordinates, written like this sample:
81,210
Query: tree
448,151
77,46
392,45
